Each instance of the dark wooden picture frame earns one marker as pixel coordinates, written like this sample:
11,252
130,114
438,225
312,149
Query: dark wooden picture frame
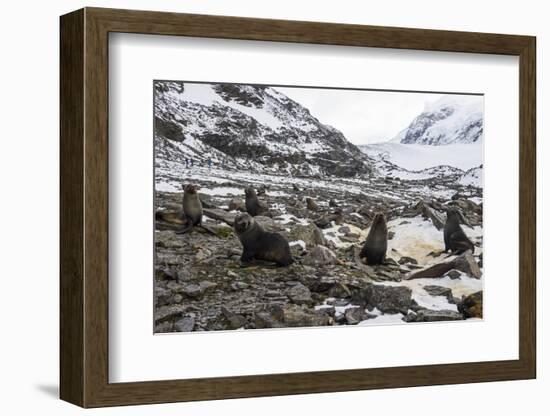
84,207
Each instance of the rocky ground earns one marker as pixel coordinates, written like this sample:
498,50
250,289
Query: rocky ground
201,286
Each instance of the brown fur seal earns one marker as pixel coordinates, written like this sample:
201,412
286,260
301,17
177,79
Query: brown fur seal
260,244
453,234
253,205
192,208
376,243
311,204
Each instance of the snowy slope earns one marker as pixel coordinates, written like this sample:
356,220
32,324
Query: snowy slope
451,119
417,157
246,126
472,177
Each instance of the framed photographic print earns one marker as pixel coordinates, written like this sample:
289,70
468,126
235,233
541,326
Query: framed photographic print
256,207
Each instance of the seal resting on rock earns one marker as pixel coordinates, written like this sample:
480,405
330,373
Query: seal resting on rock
455,238
253,205
260,244
376,243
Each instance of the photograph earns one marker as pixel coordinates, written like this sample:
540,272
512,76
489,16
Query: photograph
281,206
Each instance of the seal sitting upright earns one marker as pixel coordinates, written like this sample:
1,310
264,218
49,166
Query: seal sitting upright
455,238
253,205
260,244
192,208
376,243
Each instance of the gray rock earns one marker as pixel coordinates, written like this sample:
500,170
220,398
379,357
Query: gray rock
453,274
437,219
466,263
236,204
341,302
269,316
168,239
297,316
168,312
387,299
162,296
220,215
434,271
267,223
206,285
186,324
339,290
234,320
329,310
299,294
163,327
202,255
407,260
193,291
320,256
435,290
350,238
307,233
428,315
236,286
355,315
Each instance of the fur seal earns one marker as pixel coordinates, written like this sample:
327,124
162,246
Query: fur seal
453,234
260,244
311,204
192,208
376,243
253,205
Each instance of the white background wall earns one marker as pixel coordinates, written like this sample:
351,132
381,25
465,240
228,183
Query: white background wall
29,209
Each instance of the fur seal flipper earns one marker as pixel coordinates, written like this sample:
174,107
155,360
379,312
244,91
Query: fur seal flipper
376,244
455,238
260,244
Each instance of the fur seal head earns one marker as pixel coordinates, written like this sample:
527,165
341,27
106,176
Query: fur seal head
250,192
243,222
455,216
189,188
379,224
253,205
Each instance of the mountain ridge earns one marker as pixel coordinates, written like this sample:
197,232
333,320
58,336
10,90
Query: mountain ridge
256,126
449,120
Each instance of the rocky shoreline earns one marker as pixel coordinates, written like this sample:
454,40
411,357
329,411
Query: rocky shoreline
201,286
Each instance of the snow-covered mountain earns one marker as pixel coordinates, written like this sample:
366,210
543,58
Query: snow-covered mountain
246,126
445,139
451,119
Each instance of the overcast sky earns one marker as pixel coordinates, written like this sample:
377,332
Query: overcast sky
363,116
